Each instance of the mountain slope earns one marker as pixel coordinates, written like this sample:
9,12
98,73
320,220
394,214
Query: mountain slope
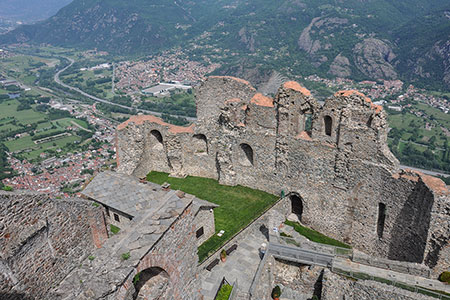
29,11
360,39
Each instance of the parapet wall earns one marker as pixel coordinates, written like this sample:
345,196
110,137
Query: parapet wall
42,240
334,158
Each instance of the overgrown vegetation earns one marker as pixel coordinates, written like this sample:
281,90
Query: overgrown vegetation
125,255
238,205
445,277
316,236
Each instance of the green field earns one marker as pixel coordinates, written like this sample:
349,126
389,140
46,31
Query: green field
29,116
238,205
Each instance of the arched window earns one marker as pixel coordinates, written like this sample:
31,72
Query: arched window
328,122
156,139
200,144
151,283
297,205
246,155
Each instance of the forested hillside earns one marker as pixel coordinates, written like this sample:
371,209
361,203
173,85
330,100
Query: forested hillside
369,39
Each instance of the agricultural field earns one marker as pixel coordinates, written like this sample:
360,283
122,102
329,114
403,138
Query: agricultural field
420,137
31,124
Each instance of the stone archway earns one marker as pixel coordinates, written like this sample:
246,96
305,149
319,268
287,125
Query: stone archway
296,205
152,284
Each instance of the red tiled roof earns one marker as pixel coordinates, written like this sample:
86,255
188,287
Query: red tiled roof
261,100
293,85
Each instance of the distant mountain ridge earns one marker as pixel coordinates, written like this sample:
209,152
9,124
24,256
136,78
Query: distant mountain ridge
358,39
29,11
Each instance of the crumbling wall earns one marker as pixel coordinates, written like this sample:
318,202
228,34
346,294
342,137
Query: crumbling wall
335,287
335,158
43,239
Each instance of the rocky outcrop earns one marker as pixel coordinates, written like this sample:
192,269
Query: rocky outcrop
340,67
373,57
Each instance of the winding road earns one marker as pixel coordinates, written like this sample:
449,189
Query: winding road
155,113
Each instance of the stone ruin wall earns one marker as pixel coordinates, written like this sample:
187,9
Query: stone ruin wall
43,239
335,287
163,240
342,172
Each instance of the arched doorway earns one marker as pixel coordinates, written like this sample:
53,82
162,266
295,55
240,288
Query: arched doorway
152,284
297,205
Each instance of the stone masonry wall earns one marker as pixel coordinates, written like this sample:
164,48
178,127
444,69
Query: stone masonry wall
334,158
335,287
42,240
205,219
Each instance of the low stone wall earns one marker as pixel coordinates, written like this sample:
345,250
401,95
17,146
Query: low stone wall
335,287
398,266
42,240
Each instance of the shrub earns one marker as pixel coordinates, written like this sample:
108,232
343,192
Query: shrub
7,188
276,292
136,278
126,256
445,277
223,253
91,257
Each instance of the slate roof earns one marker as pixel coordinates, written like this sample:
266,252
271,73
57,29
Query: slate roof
123,192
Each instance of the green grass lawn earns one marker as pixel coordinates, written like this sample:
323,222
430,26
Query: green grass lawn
238,205
316,236
224,292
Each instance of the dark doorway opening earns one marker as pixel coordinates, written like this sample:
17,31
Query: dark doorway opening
297,205
328,125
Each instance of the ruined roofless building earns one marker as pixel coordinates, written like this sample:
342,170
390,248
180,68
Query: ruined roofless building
333,161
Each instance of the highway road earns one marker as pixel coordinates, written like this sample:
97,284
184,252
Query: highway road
155,113
433,173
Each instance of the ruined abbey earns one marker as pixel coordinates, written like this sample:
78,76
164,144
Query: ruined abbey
333,157
329,162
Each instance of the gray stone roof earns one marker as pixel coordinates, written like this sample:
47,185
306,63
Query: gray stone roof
124,193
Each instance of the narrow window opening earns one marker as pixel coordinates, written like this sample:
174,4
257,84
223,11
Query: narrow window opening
308,123
246,155
200,232
116,217
156,140
328,125
381,219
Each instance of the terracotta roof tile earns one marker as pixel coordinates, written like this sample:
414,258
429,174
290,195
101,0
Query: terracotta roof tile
347,93
293,85
435,184
304,136
139,120
261,100
244,107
